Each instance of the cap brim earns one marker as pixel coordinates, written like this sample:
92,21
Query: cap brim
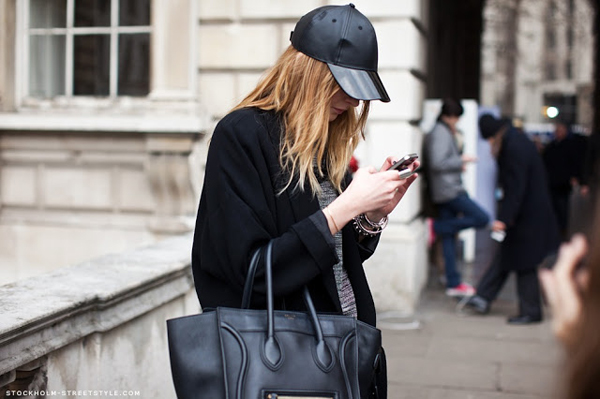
359,84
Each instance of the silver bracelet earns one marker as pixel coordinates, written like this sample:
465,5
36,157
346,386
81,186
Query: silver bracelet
365,226
379,225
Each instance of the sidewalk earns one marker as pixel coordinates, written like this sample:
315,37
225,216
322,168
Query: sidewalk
441,353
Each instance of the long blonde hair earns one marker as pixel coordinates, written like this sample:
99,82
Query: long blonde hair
301,89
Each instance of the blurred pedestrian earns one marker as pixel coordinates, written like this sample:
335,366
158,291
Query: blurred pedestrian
525,225
564,160
455,210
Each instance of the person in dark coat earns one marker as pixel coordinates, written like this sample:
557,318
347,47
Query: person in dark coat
277,171
564,161
525,225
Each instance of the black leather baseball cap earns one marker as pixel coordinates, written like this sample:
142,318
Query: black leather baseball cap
343,38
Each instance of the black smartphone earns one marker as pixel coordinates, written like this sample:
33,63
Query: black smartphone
404,162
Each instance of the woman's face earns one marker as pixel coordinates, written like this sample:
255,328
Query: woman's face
340,103
451,121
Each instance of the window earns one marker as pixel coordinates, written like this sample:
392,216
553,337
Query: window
570,39
95,48
550,38
550,70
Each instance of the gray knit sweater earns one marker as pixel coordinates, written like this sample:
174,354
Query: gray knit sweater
344,288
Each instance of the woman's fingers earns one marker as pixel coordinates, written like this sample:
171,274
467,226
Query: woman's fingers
570,255
389,161
582,279
549,285
563,286
372,190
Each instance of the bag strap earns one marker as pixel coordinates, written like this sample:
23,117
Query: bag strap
250,279
272,352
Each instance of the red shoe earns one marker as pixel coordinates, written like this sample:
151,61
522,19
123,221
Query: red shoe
463,289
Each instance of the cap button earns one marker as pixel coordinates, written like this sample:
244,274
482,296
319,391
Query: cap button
351,5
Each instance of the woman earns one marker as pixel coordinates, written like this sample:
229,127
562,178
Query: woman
456,210
277,170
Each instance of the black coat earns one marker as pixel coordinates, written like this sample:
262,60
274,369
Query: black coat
240,210
532,232
564,160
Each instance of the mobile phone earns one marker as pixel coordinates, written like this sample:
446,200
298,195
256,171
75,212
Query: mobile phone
404,162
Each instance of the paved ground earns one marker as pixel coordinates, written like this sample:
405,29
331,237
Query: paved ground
442,353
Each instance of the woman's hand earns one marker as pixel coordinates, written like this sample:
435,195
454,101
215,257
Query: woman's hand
371,191
564,285
468,159
404,184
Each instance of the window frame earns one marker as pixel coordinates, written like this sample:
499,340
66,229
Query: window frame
172,104
24,33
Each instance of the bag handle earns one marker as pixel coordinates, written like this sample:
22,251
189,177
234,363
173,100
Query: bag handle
250,279
272,351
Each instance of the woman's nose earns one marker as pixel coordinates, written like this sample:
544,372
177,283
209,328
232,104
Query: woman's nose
352,101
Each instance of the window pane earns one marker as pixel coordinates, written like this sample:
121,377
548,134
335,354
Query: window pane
48,13
92,13
91,65
46,65
134,12
134,60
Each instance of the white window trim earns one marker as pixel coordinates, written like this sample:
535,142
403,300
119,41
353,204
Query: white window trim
70,31
162,110
93,123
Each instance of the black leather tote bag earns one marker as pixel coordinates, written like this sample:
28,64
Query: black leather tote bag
230,353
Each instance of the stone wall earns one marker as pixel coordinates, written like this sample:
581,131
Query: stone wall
546,63
99,326
85,176
68,196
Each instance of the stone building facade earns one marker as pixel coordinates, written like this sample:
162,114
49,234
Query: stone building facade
105,119
102,145
536,54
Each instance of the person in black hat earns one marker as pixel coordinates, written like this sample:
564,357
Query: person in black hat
277,170
525,225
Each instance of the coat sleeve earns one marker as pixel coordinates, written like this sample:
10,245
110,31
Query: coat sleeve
513,179
367,246
440,157
238,214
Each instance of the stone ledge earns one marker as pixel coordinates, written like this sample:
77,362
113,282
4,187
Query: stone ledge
50,311
147,123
